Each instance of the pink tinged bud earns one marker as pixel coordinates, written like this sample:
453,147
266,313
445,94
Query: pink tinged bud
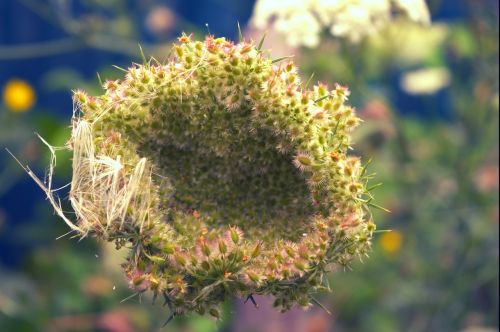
253,277
81,97
235,235
303,161
110,85
290,252
222,246
256,250
138,280
301,265
342,90
303,251
184,38
180,259
205,249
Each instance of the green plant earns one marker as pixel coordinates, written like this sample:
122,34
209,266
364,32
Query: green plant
224,174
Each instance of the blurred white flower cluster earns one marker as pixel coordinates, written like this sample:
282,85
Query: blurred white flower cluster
425,81
302,21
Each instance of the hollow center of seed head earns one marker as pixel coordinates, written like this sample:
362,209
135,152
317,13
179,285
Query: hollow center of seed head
231,173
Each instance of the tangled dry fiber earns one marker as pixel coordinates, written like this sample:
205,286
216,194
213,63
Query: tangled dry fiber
224,174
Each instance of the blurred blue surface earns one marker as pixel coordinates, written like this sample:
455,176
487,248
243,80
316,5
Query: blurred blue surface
19,26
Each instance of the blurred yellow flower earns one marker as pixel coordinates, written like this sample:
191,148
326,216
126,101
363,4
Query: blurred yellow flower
391,241
18,95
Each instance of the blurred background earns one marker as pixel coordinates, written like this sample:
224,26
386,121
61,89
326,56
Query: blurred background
428,95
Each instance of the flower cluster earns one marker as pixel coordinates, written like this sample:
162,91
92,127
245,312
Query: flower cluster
302,21
224,174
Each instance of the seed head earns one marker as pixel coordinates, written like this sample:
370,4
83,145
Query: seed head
208,163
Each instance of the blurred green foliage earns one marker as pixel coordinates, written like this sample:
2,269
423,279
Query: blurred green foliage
439,174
